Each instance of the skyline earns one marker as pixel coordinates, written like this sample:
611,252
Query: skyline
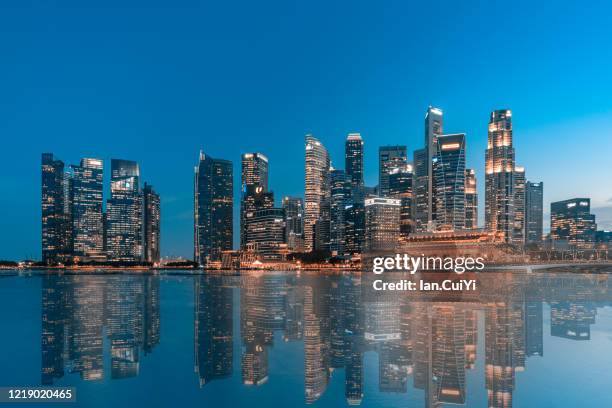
118,91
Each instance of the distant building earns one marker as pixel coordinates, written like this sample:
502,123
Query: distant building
124,213
518,237
382,217
572,220
317,194
86,194
499,175
294,223
254,181
471,200
151,220
55,202
449,182
389,158
354,159
534,212
400,187
213,208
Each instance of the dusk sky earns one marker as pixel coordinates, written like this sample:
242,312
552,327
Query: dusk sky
157,81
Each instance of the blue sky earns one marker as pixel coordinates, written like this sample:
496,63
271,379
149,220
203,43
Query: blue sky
157,81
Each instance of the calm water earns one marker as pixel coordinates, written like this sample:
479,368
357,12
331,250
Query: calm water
274,339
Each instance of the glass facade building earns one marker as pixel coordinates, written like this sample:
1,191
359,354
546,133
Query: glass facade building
254,181
471,200
340,194
151,235
213,208
518,235
55,201
354,159
124,213
389,159
317,193
499,175
87,220
534,212
572,221
449,177
382,217
294,223
400,187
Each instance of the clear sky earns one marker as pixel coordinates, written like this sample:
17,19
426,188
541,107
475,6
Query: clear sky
157,81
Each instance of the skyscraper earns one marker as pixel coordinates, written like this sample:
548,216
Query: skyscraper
86,192
254,179
499,172
294,223
423,162
534,211
266,233
400,187
471,200
354,227
340,192
382,217
317,191
213,208
354,159
449,182
124,213
389,158
572,220
518,235
151,217
56,226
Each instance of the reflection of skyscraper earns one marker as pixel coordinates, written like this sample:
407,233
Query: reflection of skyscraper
354,159
213,329
124,213
499,169
87,209
449,182
316,375
534,211
54,313
389,159
499,369
213,208
317,193
534,342
572,320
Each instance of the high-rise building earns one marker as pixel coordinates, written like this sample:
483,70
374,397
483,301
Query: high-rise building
571,220
518,236
354,227
449,182
56,228
499,175
340,193
294,223
400,187
266,233
354,159
254,179
151,217
124,213
317,193
389,159
534,212
424,174
471,200
213,208
86,195
382,217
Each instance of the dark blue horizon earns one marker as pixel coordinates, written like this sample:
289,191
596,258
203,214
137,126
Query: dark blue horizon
156,82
